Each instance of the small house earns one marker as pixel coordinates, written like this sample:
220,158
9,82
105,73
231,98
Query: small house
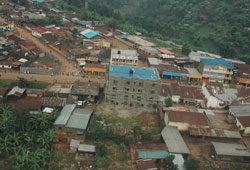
74,145
16,93
86,151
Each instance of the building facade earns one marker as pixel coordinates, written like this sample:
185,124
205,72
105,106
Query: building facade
123,57
132,87
216,70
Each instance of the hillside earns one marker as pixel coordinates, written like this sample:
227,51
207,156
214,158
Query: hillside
221,27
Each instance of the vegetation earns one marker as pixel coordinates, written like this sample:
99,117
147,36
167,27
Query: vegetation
57,20
168,102
23,83
101,155
192,164
214,26
26,139
170,164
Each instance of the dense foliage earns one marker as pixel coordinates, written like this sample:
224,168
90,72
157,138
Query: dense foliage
26,139
215,26
192,164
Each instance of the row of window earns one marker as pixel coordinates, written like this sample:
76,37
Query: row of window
140,84
124,60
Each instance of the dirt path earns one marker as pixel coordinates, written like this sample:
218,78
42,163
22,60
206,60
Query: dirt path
66,65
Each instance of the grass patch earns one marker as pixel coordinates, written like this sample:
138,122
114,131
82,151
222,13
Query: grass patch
31,84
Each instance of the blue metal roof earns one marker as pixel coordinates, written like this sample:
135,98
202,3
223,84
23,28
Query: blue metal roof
152,154
88,33
138,72
215,62
166,73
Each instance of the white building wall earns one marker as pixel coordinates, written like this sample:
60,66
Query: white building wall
176,99
179,125
212,102
36,34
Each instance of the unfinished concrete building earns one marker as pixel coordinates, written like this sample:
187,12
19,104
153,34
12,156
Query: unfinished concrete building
132,87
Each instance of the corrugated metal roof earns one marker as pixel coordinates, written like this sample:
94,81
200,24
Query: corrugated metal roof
79,119
74,143
174,140
153,61
64,116
88,33
152,154
230,149
86,148
218,61
240,110
15,90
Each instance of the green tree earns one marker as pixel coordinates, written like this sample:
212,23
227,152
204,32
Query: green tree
74,32
168,102
192,164
170,164
22,83
185,50
101,150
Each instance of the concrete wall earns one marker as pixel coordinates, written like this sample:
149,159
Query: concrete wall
212,102
126,93
36,70
179,125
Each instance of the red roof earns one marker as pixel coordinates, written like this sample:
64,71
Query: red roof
244,120
192,118
165,51
40,29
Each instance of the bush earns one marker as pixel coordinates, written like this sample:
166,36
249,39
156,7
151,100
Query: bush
169,102
192,164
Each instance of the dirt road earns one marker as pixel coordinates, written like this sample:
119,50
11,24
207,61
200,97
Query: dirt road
66,65
49,78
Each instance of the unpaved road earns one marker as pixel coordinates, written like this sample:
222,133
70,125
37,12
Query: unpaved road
66,65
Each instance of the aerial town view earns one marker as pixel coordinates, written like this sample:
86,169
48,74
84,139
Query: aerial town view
124,85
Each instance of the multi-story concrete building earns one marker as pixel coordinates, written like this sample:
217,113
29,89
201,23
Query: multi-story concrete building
216,70
123,57
132,87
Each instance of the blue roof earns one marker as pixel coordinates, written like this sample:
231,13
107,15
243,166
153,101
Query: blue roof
152,154
166,73
138,72
38,0
88,33
215,62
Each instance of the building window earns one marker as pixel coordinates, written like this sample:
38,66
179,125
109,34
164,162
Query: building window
139,90
152,92
153,85
142,105
140,84
126,96
134,83
126,89
114,88
115,82
128,83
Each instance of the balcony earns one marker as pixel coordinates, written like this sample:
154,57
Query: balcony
217,71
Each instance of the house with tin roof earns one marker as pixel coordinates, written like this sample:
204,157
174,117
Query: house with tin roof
216,70
165,54
241,114
230,152
72,121
183,120
39,31
91,34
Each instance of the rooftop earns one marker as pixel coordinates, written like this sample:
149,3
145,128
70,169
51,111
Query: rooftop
153,61
218,133
79,119
244,120
74,143
31,103
240,110
146,164
85,88
152,154
192,118
3,91
216,62
64,116
40,29
165,51
134,72
139,41
16,91
86,148
127,53
230,149
174,140
88,33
